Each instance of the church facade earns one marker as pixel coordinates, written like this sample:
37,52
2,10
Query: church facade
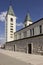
29,39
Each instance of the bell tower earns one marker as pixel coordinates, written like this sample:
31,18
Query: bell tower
28,20
10,24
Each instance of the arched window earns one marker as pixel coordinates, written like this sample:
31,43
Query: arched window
11,19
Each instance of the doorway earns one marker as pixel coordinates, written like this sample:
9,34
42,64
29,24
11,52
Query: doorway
14,47
29,48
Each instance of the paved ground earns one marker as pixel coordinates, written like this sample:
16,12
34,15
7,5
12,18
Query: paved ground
27,59
7,60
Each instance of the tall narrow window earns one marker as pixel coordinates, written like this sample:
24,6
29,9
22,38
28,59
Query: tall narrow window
25,34
30,32
15,37
19,35
33,31
40,29
12,19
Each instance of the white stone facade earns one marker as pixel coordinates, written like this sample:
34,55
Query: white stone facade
10,27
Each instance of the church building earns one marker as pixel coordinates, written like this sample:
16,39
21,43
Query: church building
28,39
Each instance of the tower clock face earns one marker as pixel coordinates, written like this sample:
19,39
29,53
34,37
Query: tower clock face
11,19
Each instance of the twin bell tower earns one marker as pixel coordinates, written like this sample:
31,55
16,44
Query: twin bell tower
10,24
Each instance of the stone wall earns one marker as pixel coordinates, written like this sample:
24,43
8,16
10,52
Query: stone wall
22,45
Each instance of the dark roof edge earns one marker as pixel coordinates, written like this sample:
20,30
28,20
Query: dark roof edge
26,38
30,25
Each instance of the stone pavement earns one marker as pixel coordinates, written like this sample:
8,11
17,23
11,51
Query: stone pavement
28,58
7,60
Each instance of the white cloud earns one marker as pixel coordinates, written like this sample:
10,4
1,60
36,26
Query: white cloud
3,15
19,24
2,39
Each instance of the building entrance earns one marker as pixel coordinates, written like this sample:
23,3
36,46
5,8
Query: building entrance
14,47
29,48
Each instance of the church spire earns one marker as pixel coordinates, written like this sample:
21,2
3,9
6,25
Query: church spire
28,20
10,9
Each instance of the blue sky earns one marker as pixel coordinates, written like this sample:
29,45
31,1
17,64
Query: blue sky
21,7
